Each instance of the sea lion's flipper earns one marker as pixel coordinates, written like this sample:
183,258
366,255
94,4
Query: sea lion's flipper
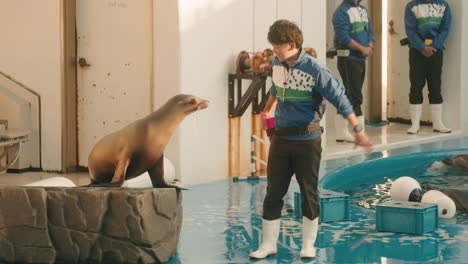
118,178
174,186
119,174
156,174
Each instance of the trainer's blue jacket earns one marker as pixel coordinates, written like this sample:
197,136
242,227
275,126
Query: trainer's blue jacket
300,91
351,21
427,20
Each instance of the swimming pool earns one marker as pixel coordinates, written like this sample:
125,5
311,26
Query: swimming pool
222,221
369,183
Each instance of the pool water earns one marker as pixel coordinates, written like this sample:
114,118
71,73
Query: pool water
373,181
222,224
222,220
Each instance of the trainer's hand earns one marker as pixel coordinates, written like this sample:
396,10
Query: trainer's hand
428,51
362,140
366,51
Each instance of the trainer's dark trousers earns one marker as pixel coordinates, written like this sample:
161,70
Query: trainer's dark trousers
424,69
288,157
352,73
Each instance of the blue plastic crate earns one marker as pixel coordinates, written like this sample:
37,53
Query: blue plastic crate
333,206
407,217
297,205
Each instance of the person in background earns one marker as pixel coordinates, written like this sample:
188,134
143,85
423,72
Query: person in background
427,25
353,32
300,84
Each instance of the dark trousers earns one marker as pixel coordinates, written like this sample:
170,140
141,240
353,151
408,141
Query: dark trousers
288,157
352,73
424,69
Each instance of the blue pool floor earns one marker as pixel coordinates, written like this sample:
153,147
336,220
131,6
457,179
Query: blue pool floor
222,224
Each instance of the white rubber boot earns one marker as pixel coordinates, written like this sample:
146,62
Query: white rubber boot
362,121
415,112
341,130
271,230
437,125
309,234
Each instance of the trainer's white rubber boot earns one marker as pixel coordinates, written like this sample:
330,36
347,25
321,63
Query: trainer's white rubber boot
341,130
271,230
415,113
362,121
437,125
309,234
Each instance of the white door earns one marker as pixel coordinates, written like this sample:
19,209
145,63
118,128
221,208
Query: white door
114,52
398,70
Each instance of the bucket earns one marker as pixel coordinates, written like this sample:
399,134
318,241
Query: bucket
268,122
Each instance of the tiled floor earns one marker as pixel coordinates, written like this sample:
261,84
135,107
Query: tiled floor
222,224
18,179
384,137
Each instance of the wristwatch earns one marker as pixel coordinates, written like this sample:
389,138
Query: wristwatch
358,128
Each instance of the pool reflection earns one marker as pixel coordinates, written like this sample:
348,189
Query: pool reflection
222,224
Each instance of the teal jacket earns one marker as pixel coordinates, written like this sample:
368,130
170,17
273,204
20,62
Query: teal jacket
427,20
301,91
351,22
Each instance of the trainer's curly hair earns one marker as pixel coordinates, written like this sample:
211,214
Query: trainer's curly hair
284,31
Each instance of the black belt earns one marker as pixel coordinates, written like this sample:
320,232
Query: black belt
332,53
294,131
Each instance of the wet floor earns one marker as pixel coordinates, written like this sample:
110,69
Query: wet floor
222,224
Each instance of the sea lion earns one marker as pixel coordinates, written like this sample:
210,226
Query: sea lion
139,146
459,162
459,197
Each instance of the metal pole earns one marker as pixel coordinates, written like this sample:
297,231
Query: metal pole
252,156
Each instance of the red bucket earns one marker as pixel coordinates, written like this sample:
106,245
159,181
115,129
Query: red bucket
268,122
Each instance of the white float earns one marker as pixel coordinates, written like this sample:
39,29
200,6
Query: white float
53,182
405,189
447,208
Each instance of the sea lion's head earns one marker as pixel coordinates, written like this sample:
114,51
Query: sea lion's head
190,103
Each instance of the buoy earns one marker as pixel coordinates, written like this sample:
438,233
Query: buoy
53,182
144,180
447,208
406,189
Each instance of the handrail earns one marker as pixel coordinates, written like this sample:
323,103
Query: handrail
20,84
7,166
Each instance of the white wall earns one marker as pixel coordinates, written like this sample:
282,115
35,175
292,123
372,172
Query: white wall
213,32
166,71
464,67
30,52
452,74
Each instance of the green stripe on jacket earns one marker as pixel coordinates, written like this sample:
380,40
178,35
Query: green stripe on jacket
426,21
291,95
357,27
